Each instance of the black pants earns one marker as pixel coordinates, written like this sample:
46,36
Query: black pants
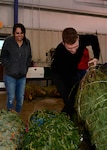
67,89
69,105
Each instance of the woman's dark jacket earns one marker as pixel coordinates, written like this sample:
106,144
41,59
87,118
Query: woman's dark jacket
15,59
65,64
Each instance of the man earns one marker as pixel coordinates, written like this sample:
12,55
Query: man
65,63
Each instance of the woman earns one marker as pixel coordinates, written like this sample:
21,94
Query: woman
16,58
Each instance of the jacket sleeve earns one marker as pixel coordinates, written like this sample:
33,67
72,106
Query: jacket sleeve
91,40
29,59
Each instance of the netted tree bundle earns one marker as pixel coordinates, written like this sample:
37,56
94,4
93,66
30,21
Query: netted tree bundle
51,91
103,68
91,105
11,131
32,91
51,130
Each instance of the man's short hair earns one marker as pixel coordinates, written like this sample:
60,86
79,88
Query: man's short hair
69,35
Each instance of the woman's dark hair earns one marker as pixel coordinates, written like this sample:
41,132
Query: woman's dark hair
69,35
21,26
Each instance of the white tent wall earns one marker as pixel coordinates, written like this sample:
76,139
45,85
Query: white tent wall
37,18
45,19
42,41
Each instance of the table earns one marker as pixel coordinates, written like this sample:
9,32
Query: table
39,73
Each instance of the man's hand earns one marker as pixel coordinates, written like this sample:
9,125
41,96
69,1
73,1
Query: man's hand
93,62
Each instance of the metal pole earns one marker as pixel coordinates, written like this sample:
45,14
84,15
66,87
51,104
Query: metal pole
15,11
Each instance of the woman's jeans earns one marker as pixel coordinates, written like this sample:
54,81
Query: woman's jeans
15,90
